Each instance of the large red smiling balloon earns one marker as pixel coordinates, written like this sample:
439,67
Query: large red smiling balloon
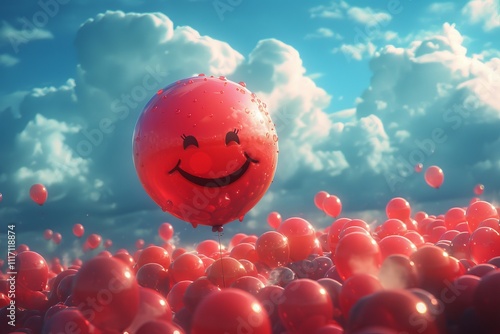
205,150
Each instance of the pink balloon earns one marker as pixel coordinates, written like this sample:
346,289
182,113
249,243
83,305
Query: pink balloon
47,234
78,230
332,206
38,193
274,219
93,241
319,198
434,176
398,208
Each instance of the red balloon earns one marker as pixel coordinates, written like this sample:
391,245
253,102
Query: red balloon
107,294
159,327
487,301
491,222
218,149
418,167
273,249
187,267
459,247
47,234
270,297
250,284
332,206
398,208
139,244
166,231
334,232
434,176
478,189
484,244
274,219
392,226
198,291
244,251
398,310
301,237
396,244
357,253
68,320
32,271
78,230
208,247
398,272
38,193
479,211
57,238
94,240
319,198
230,311
223,272
154,277
176,295
435,268
305,306
236,239
152,306
454,216
108,243
356,287
154,254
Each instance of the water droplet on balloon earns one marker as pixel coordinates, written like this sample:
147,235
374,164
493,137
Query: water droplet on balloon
169,204
242,83
178,82
253,100
205,79
267,134
189,115
275,138
201,74
190,81
177,111
159,91
194,125
222,77
211,115
222,92
195,100
221,101
211,208
247,111
241,218
164,97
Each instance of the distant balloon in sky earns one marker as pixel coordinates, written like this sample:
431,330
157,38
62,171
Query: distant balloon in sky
166,231
434,176
319,199
418,167
78,230
479,189
38,193
332,206
205,149
1,197
274,219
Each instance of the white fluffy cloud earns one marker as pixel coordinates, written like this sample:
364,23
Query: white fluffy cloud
486,12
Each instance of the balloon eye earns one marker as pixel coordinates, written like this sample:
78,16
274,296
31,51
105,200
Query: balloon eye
188,141
232,136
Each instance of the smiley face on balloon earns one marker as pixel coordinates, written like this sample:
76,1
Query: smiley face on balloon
205,150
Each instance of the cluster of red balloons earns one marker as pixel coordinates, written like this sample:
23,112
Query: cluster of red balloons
413,273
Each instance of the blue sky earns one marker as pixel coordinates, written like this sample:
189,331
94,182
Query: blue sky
359,91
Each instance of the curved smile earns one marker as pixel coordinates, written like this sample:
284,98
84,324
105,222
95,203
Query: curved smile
215,182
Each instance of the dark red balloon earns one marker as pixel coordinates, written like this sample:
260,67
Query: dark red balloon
159,327
38,193
218,148
175,297
198,291
487,301
484,244
152,306
356,287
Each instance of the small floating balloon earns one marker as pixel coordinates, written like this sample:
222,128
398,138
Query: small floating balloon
332,206
479,189
38,193
418,167
218,149
47,234
166,231
1,197
319,199
93,241
57,238
434,176
274,219
78,230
